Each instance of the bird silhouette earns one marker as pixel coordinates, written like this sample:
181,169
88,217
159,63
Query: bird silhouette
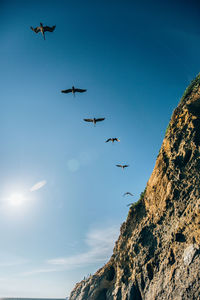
73,90
112,140
122,166
94,120
127,193
43,29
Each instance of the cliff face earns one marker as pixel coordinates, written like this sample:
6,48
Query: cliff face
157,255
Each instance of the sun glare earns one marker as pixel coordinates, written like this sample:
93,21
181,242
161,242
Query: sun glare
16,199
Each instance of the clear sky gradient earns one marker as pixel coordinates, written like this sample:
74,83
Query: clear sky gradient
61,201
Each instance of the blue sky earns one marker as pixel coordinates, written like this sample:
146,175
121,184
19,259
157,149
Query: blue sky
61,201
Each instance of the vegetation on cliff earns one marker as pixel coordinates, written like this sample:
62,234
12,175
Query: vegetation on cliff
193,87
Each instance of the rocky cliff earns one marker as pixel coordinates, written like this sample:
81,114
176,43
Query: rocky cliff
157,255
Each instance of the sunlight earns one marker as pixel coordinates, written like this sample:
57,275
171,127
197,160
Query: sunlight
16,199
19,196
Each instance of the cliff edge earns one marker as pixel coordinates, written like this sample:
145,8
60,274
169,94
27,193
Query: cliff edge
157,255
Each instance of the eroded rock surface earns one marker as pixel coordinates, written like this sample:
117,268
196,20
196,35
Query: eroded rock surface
157,255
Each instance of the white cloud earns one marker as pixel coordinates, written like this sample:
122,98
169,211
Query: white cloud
38,185
12,263
100,243
38,271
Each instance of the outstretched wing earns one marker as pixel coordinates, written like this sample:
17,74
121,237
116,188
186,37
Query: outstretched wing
80,90
66,91
120,166
88,120
116,139
51,29
125,166
36,30
100,119
128,193
108,140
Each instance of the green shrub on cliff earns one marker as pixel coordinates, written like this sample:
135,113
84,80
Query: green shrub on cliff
142,194
192,87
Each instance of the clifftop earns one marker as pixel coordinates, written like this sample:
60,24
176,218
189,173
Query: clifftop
157,255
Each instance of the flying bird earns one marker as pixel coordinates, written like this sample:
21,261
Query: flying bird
73,90
94,120
122,166
43,29
112,140
127,193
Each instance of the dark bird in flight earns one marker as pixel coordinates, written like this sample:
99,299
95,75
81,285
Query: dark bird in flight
112,140
43,29
73,90
94,120
122,166
128,193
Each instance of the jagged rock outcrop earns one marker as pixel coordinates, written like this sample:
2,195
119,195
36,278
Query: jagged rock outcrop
157,255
